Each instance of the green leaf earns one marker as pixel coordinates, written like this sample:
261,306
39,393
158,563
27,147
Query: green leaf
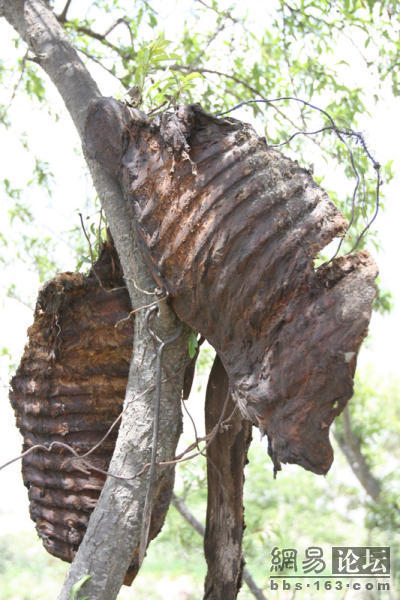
77,586
191,76
371,5
192,344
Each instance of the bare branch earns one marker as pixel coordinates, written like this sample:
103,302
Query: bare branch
224,14
62,17
133,312
247,86
343,135
207,44
20,78
11,293
121,21
100,64
199,527
100,37
350,444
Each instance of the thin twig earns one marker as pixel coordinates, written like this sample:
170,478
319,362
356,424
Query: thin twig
341,134
289,139
99,37
250,88
180,458
349,132
199,527
223,14
18,83
114,25
103,66
92,257
62,17
120,21
88,240
48,448
11,293
127,404
69,448
210,40
128,318
377,206
99,241
148,504
195,444
139,289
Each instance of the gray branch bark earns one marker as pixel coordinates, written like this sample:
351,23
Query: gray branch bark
114,528
199,527
350,445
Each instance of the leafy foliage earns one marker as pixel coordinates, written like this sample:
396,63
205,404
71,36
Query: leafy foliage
77,586
192,344
225,54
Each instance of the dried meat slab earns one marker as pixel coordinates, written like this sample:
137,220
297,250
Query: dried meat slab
230,228
69,388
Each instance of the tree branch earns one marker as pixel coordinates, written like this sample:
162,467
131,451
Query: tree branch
100,64
123,21
62,17
199,527
226,459
247,86
100,37
350,444
114,528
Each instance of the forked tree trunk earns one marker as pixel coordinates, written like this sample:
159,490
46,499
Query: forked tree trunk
114,528
226,458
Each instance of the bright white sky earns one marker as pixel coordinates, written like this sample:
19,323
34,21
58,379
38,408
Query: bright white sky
56,143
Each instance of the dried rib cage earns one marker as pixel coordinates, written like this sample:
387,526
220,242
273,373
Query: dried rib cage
69,388
231,227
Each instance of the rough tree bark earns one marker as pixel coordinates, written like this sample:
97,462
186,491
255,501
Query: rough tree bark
114,528
226,459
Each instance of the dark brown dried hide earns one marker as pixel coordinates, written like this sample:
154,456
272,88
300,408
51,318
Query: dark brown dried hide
230,227
69,388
